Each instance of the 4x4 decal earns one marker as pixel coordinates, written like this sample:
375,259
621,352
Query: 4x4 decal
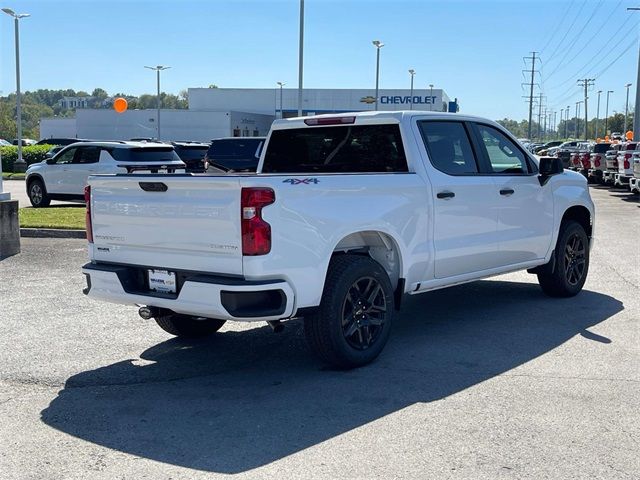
298,181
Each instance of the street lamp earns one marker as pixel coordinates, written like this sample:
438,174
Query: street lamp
378,44
626,111
412,72
431,96
158,69
606,114
16,18
300,57
566,123
282,84
598,113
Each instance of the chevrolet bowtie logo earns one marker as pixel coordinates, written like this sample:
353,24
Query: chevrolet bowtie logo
368,99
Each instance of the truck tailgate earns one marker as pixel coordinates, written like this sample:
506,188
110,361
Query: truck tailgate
166,221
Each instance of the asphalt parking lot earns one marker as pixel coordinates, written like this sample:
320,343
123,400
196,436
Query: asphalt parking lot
487,380
17,189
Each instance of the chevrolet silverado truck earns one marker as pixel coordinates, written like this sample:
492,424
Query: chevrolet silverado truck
345,215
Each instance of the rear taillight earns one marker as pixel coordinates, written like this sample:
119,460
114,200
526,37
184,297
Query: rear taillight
256,233
597,161
627,165
87,216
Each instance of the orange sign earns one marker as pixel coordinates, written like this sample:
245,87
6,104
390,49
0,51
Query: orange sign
120,104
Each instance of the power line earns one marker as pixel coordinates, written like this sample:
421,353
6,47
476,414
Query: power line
569,29
590,65
588,42
633,42
556,28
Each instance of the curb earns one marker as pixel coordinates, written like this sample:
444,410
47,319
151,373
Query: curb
52,233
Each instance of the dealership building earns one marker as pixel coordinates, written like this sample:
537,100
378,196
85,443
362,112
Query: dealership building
224,112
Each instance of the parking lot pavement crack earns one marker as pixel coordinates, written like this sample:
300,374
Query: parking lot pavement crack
621,275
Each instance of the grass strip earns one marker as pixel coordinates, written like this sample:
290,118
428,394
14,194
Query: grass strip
53,217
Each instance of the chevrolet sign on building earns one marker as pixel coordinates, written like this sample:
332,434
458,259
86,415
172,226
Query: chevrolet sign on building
267,100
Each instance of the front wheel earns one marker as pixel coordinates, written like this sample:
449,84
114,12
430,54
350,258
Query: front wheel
188,326
38,194
565,274
353,323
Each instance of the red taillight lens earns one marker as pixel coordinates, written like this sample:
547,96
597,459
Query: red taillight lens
597,161
256,233
627,165
87,217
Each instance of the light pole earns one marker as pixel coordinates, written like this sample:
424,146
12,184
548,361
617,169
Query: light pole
378,44
566,123
16,19
636,113
606,114
430,96
158,69
300,57
282,84
598,114
412,72
626,111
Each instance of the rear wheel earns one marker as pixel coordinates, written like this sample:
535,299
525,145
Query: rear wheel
38,194
353,323
565,274
188,326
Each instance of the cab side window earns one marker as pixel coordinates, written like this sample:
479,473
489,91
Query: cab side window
449,147
66,157
87,155
504,156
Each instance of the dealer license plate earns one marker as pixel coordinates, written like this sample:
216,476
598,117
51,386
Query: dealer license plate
162,281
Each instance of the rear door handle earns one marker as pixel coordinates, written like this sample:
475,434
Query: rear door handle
445,195
507,191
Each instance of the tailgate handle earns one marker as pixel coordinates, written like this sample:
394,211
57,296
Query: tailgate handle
153,186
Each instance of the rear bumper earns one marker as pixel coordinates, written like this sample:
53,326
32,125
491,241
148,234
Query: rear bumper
199,294
634,184
620,179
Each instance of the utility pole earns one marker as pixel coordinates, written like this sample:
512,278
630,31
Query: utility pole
586,83
577,117
598,114
531,85
539,114
555,125
561,112
606,114
544,130
626,112
566,123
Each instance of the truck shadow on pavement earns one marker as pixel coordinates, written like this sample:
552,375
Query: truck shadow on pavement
242,400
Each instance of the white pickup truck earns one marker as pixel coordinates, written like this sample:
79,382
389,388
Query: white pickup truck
345,214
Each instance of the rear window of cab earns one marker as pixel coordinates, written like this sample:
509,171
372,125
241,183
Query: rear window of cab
336,149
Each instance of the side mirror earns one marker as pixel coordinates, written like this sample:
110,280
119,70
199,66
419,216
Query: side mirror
50,161
549,166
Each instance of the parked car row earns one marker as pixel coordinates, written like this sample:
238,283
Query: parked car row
614,164
63,175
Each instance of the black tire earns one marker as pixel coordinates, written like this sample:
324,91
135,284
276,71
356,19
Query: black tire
187,326
353,322
38,194
565,274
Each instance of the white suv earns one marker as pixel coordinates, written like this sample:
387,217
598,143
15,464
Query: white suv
64,176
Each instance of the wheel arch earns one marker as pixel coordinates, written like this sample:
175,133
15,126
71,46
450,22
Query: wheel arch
380,246
580,214
32,178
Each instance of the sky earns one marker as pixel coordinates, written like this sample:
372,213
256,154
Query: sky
472,49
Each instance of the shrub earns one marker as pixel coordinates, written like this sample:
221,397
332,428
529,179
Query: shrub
30,154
